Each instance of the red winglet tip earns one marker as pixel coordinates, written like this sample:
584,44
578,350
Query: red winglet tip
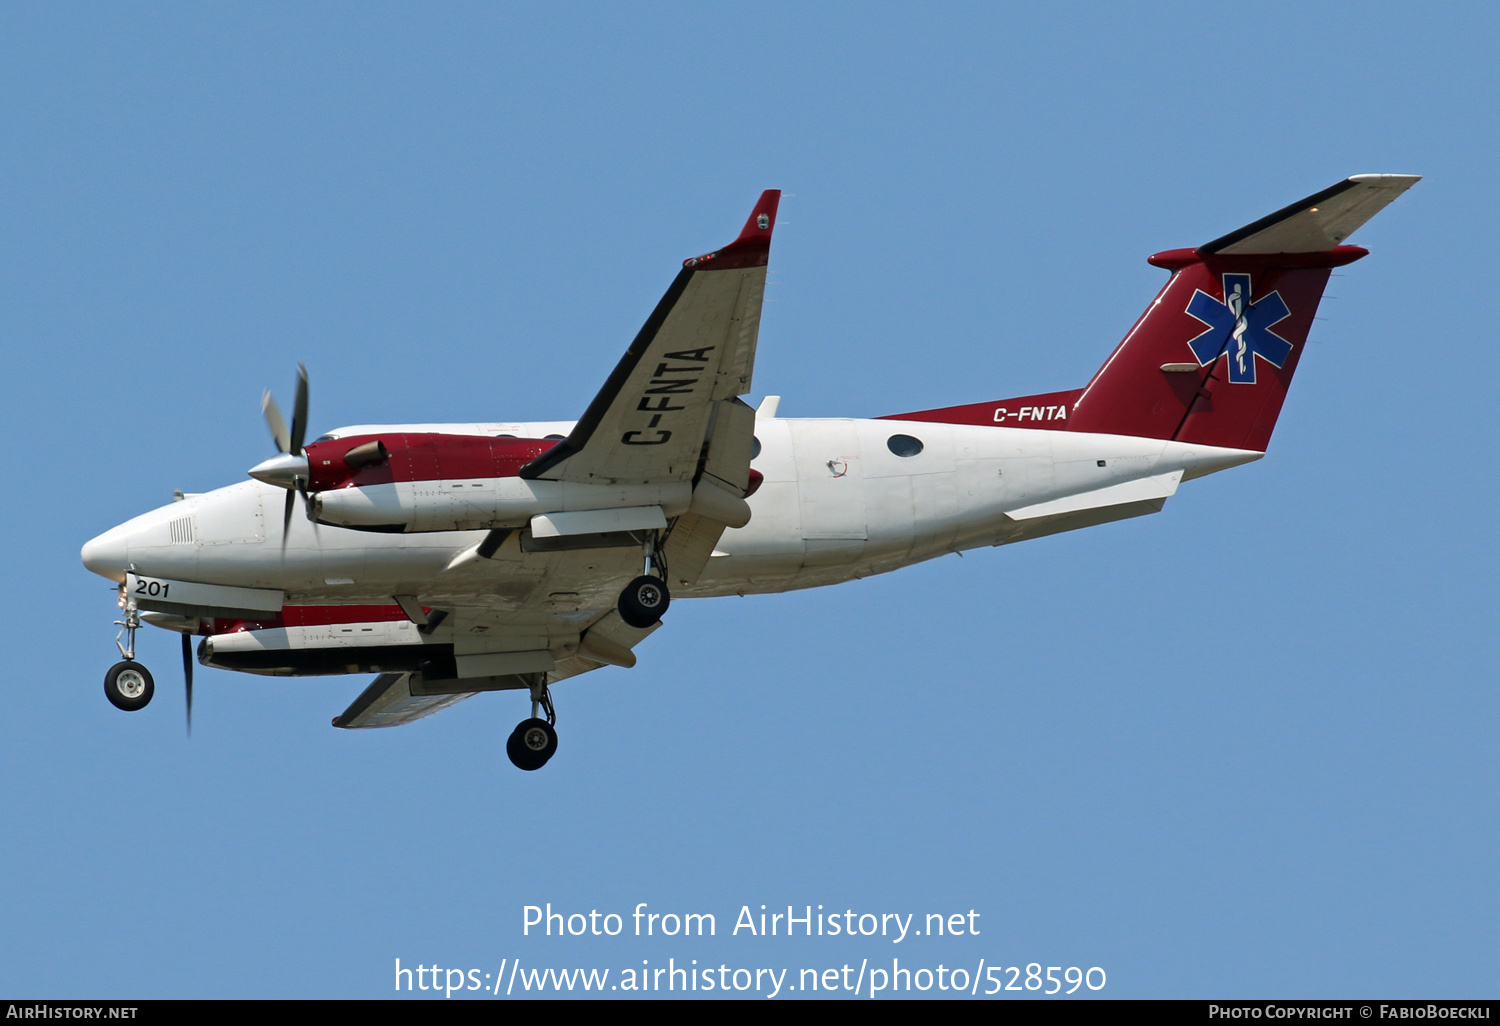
753,245
762,220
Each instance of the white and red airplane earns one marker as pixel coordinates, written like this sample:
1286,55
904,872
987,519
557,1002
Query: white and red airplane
452,559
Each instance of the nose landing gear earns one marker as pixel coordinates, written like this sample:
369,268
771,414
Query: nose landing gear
534,741
128,684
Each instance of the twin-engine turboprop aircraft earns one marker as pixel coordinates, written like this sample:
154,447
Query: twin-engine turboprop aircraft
452,559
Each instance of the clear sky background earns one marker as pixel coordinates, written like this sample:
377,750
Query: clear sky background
1245,747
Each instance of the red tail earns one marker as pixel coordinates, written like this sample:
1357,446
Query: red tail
1212,357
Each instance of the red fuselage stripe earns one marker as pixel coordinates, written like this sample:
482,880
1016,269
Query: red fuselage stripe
314,616
421,457
1050,411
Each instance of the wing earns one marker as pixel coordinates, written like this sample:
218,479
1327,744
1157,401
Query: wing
395,699
669,413
554,622
649,422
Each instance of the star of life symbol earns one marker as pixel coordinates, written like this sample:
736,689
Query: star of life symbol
1239,328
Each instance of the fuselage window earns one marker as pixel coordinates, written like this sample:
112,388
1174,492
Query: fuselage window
904,445
754,447
555,438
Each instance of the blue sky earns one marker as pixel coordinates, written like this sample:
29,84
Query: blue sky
1242,748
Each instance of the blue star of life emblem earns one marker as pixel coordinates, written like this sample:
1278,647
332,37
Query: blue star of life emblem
1240,329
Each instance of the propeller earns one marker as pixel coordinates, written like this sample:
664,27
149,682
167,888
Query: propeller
290,469
187,676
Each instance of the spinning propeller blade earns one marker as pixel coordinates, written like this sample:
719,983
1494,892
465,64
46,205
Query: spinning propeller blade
187,677
288,441
286,516
283,471
272,412
299,412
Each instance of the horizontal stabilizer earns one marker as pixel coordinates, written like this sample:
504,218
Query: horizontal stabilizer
1162,486
1318,223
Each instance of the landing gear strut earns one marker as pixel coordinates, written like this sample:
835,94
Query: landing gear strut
534,741
645,599
128,684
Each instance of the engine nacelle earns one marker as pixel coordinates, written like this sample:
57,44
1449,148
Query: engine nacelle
482,503
294,651
434,482
310,645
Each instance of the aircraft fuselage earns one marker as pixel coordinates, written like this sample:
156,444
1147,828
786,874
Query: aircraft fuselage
837,503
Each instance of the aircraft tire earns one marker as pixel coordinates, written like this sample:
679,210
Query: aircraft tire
531,744
644,601
128,685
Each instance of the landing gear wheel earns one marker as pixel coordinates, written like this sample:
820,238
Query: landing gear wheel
128,685
644,601
531,744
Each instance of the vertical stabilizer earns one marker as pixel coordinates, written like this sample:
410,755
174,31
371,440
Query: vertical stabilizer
1211,359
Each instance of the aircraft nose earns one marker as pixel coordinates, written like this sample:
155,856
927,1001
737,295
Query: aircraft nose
107,554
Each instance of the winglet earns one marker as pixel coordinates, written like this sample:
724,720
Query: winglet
753,247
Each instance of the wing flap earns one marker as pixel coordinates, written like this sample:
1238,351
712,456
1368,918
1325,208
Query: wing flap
731,440
610,641
690,545
597,521
388,702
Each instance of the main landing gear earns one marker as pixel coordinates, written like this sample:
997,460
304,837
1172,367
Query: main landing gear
534,741
645,599
128,684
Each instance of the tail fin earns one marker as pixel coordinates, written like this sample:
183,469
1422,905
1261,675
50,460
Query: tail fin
1211,359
